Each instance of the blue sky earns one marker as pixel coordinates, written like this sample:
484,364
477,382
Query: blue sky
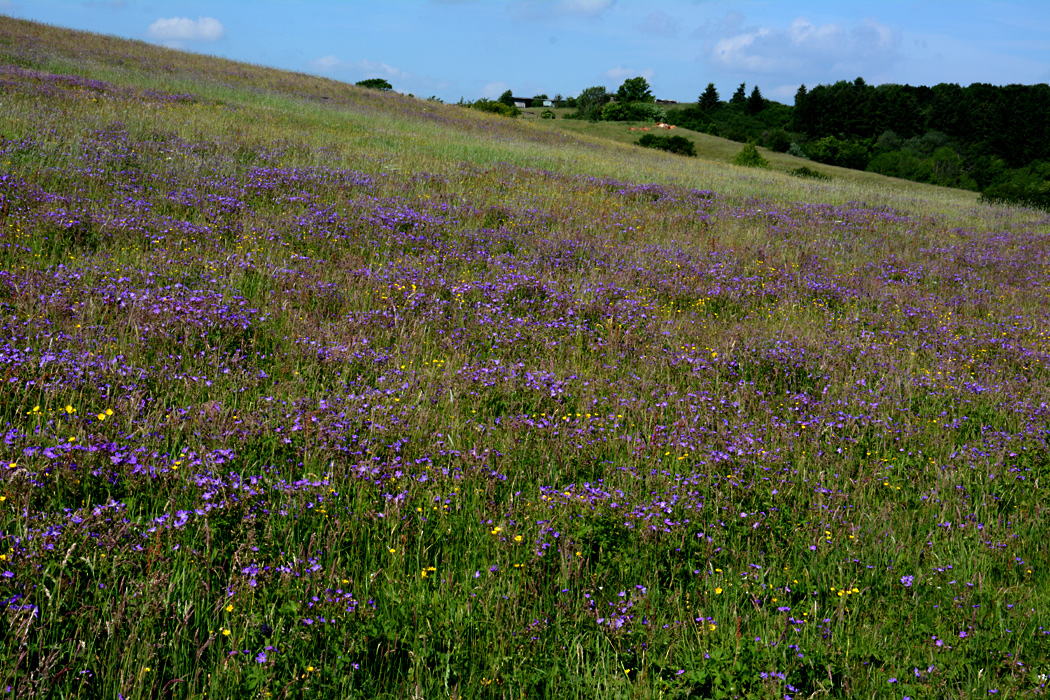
479,48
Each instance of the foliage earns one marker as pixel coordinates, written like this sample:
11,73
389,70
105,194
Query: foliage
633,112
797,151
1011,122
495,108
808,172
750,157
732,120
506,98
1029,186
376,84
590,102
835,151
673,144
547,114
708,100
755,102
777,139
634,90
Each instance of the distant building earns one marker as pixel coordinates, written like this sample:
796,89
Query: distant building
525,102
667,102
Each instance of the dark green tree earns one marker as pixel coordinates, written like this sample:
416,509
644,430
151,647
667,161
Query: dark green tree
507,98
740,96
375,84
755,103
635,90
709,100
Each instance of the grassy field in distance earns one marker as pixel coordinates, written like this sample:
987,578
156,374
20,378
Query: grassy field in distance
310,390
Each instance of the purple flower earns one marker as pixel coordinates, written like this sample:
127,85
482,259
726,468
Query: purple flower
907,581
261,658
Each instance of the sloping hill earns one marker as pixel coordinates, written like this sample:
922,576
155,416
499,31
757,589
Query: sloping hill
313,391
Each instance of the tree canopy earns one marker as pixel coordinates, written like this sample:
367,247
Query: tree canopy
590,102
635,90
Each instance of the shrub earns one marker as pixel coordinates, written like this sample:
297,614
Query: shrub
375,84
495,107
547,114
750,157
808,172
778,140
672,144
633,112
798,151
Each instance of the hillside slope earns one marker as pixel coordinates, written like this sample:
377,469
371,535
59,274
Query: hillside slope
313,391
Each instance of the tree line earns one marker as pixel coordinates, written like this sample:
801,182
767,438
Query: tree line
987,138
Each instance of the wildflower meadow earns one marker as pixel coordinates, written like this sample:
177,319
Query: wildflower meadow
314,391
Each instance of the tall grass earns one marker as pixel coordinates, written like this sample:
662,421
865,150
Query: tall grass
371,397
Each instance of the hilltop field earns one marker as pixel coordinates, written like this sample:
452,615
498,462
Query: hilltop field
315,391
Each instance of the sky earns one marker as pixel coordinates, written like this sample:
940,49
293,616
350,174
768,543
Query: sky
453,49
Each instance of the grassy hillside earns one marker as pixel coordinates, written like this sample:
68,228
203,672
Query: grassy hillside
315,391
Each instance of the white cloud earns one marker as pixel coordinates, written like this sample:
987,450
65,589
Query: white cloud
175,29
364,69
829,50
621,73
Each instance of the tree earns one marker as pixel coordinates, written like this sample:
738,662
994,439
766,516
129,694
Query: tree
634,90
375,84
507,98
750,157
740,96
755,103
590,102
709,100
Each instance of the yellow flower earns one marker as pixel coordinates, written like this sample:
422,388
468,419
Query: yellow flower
718,591
109,411
70,410
229,608
101,416
517,538
495,531
226,633
392,550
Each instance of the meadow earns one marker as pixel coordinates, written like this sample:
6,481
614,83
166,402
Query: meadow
312,391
